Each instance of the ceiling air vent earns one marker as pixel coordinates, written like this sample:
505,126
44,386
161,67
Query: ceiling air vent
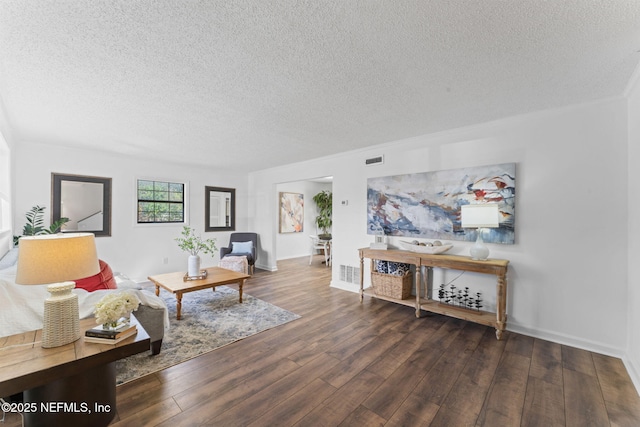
374,161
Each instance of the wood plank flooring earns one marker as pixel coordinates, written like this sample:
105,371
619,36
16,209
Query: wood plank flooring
350,364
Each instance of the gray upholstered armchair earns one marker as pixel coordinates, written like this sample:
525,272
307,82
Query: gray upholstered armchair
241,249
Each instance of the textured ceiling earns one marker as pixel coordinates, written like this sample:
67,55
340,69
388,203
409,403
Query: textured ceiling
256,83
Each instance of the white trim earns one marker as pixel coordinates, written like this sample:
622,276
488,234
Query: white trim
346,286
564,339
266,267
633,372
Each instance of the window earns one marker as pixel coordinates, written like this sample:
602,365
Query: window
161,202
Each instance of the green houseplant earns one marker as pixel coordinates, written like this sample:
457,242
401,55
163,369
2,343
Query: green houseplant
35,224
324,201
194,244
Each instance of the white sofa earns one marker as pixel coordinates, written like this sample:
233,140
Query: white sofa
22,306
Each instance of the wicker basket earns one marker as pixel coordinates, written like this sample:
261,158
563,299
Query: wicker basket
391,286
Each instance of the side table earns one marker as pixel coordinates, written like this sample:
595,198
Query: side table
70,385
496,267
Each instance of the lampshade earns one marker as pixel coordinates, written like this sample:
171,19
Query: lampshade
53,258
480,216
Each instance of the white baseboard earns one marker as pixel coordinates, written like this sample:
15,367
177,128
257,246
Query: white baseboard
589,345
345,286
266,267
634,372
293,256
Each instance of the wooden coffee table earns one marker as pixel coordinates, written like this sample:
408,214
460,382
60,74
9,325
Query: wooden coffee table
216,276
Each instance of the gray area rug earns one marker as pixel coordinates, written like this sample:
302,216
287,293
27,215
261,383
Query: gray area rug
210,320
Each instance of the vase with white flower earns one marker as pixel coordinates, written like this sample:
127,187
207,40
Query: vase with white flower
115,309
194,244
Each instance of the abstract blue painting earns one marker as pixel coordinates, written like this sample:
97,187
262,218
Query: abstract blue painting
427,205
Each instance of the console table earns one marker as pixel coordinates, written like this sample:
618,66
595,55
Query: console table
497,267
74,384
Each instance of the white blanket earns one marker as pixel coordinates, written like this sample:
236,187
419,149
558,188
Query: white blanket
22,306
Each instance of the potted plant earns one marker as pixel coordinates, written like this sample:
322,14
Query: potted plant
35,224
324,201
194,244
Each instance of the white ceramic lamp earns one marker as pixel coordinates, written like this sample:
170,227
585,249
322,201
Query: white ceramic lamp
480,217
55,259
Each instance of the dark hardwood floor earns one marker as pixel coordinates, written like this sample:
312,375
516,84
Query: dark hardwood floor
351,364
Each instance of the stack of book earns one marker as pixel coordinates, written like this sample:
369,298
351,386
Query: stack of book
107,336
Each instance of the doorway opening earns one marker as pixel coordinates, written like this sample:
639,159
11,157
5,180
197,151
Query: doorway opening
298,243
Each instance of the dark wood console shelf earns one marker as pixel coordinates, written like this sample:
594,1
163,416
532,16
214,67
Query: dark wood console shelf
75,375
497,267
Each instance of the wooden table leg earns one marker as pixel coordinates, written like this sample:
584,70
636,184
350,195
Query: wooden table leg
240,290
418,279
501,305
361,277
157,290
178,305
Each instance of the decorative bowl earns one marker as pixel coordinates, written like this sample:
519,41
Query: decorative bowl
432,250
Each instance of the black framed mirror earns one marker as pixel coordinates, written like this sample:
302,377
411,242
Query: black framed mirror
219,209
85,200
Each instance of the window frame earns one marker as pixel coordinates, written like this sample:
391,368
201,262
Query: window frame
185,202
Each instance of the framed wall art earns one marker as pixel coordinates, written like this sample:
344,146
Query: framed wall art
428,204
291,213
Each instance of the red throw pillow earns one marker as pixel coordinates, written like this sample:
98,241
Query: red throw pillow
102,280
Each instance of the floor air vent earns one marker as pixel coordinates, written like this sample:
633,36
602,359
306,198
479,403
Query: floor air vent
349,274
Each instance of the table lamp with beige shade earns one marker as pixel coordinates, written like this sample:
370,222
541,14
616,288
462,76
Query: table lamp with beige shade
57,260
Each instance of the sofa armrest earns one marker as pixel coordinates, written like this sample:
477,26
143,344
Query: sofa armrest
224,251
152,320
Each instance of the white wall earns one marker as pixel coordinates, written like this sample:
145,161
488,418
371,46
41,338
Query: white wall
568,271
6,177
5,187
136,250
6,226
293,245
632,359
